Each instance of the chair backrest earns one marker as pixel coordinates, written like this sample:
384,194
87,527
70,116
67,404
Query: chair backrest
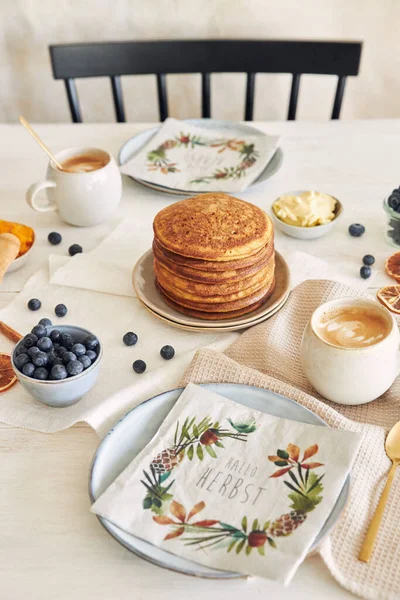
113,59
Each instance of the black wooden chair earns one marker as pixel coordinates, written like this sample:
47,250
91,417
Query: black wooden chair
109,59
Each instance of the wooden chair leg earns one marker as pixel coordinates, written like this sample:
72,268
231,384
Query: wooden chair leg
162,96
337,103
73,100
206,95
250,89
294,94
118,98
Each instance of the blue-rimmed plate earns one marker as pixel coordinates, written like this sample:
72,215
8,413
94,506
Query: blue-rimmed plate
136,143
134,431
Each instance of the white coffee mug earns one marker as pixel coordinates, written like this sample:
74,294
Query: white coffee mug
82,199
350,375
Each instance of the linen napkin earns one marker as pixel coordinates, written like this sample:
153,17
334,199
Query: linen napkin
201,159
267,356
264,486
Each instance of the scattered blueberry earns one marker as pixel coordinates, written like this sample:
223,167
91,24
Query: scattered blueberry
75,249
92,355
55,336
167,352
85,360
368,260
54,238
59,372
139,366
61,310
41,373
74,367
130,338
356,230
28,369
34,304
21,360
45,322
78,349
68,357
365,272
67,340
39,330
40,359
32,351
90,342
30,340
44,344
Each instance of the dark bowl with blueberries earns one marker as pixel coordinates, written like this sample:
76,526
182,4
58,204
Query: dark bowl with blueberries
57,364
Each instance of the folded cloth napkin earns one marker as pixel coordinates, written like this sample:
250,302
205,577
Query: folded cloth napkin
264,486
118,387
201,159
267,356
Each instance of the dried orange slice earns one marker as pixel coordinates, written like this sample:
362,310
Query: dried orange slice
390,297
392,266
7,375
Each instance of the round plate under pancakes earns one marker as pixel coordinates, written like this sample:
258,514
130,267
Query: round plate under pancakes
146,291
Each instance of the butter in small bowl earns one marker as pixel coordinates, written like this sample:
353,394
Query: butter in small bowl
305,214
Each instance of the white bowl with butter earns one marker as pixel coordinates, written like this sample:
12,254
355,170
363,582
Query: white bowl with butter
304,214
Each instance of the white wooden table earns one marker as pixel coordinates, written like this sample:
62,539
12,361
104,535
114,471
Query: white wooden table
50,545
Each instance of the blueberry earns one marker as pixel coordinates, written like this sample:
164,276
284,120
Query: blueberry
78,349
45,322
68,357
91,354
167,352
356,230
34,304
74,367
365,272
139,366
60,351
67,340
21,360
90,342
394,201
54,238
58,361
33,351
130,338
51,356
85,360
30,340
28,369
55,335
40,359
61,310
45,344
75,249
20,349
58,372
39,330
368,260
40,373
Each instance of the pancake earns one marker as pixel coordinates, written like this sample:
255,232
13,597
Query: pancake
217,292
215,316
212,265
219,307
214,227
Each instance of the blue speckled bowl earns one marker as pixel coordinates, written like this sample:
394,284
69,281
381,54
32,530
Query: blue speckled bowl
67,391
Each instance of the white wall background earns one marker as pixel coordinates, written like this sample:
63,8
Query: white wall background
27,27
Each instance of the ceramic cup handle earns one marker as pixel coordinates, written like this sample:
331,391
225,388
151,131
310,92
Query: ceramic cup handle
33,191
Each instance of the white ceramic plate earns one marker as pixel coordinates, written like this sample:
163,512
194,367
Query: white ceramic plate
145,288
135,430
136,143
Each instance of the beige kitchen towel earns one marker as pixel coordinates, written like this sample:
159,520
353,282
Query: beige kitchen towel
267,356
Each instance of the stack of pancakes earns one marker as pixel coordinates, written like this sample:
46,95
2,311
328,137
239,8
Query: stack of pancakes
214,256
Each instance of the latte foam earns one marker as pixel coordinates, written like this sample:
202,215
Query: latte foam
353,327
84,163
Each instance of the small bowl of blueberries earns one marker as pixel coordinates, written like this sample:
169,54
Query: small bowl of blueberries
391,205
57,364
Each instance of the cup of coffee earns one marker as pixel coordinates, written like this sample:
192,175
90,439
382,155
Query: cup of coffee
350,350
86,192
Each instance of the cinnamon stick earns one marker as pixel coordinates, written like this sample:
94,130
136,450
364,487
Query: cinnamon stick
10,333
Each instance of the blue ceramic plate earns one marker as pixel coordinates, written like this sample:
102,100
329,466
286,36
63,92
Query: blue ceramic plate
136,143
134,431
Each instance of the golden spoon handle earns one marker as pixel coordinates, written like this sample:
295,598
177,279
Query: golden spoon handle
33,133
368,545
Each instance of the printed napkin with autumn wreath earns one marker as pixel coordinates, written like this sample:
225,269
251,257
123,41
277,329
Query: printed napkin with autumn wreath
187,157
230,487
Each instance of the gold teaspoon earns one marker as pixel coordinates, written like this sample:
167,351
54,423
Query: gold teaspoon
392,447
